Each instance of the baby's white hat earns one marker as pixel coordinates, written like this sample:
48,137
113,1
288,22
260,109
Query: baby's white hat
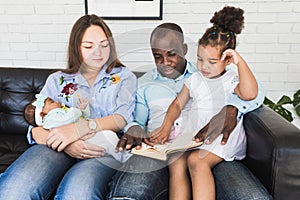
39,105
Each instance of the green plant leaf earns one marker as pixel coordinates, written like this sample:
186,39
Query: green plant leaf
284,113
284,100
269,103
297,108
296,102
278,107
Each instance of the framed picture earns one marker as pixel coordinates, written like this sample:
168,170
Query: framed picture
125,9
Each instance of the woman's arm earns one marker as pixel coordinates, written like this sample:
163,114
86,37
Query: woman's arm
62,136
113,122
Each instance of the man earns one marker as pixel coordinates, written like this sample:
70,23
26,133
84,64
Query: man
142,178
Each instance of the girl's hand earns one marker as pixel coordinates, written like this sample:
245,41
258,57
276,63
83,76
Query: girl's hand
233,55
159,135
84,150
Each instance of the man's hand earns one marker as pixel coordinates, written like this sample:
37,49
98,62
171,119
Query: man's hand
222,123
134,134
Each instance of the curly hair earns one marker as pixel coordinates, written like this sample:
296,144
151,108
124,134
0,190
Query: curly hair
227,23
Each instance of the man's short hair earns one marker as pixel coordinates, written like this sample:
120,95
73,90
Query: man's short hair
163,29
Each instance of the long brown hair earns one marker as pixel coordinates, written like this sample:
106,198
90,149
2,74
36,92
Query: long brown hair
75,59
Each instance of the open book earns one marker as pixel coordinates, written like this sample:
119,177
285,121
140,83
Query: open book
160,151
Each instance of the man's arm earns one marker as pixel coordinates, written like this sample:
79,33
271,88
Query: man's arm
225,121
135,131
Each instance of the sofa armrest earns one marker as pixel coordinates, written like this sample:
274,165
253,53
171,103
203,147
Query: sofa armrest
273,152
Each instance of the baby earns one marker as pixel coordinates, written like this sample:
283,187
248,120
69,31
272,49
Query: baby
44,111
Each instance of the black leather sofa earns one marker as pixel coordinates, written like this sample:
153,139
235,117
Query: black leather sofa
273,153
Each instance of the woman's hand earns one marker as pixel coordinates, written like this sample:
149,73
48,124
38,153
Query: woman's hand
62,136
84,150
39,134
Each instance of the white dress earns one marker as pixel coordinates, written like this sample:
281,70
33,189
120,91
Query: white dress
209,97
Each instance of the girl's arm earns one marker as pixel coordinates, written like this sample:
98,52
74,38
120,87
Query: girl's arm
162,134
247,89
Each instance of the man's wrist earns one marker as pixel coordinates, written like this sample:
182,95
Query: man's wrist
129,125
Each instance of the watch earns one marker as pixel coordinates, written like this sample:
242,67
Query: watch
92,125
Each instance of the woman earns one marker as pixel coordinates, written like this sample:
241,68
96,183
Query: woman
80,171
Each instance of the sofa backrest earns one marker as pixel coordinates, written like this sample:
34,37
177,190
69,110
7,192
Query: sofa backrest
17,88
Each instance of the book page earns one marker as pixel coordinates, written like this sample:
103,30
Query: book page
182,143
160,151
157,151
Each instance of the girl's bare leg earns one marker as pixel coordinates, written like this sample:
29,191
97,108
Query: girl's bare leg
180,186
200,162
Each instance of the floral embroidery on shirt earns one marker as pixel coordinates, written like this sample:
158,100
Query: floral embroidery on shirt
68,89
115,78
64,107
107,81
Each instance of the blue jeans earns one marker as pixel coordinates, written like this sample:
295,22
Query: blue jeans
233,182
140,178
39,171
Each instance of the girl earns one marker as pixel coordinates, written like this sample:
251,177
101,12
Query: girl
209,88
81,172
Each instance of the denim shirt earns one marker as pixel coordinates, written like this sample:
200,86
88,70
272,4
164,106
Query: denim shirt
111,93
